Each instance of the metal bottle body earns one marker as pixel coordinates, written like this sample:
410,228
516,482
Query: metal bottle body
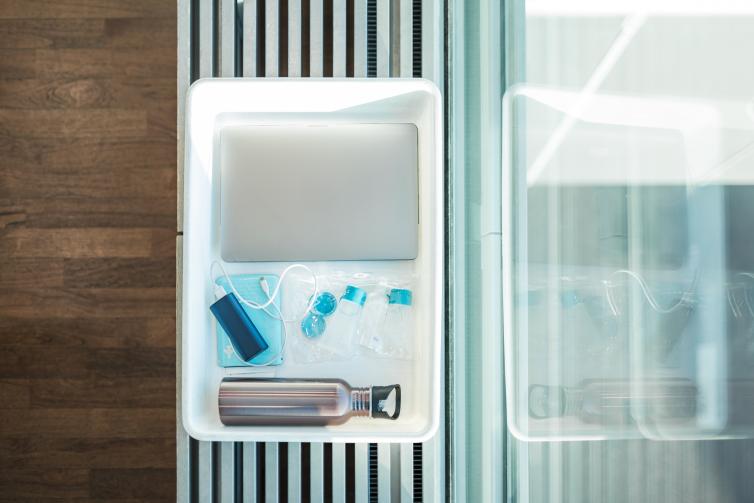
300,402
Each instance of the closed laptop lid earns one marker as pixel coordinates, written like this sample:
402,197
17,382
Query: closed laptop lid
304,193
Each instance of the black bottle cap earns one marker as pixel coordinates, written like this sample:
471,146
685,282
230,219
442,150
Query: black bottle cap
386,401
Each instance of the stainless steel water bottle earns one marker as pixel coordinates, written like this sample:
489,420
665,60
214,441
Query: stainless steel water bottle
303,402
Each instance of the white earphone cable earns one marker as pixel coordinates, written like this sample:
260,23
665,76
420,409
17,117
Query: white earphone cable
264,285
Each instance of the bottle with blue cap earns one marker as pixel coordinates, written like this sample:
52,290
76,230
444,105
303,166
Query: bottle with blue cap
397,326
340,335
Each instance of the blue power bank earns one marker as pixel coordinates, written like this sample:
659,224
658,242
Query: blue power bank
243,334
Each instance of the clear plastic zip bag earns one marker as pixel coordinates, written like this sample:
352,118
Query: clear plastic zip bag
389,328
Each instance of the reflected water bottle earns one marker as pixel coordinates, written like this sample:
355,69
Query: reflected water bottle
303,402
613,401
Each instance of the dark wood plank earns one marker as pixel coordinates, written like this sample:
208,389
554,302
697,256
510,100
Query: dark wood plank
147,33
86,93
73,63
35,483
110,123
51,33
38,452
87,152
21,361
132,362
90,183
18,64
88,332
88,423
73,9
119,273
31,272
113,392
87,302
85,243
83,211
138,63
14,394
132,483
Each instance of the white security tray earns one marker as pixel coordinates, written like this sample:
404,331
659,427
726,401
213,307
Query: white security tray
214,103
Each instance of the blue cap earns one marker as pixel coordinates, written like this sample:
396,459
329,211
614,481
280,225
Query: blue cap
355,294
313,325
325,304
399,296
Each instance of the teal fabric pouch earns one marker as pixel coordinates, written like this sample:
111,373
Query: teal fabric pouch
270,328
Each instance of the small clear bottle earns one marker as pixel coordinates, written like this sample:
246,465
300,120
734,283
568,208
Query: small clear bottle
398,324
340,335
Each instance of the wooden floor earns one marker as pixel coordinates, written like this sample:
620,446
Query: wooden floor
87,250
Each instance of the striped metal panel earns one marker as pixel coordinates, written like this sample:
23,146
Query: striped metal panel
228,38
624,471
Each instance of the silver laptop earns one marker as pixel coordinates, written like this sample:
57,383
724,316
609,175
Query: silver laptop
303,193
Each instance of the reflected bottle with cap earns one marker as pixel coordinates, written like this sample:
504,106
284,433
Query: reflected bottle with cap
303,402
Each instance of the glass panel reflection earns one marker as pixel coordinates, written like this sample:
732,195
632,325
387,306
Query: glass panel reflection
629,248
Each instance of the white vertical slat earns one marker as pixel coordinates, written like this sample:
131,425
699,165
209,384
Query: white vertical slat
361,475
205,472
184,78
271,38
249,464
183,473
432,40
294,38
432,467
227,38
406,18
271,471
359,38
339,38
383,38
407,472
383,473
227,472
294,471
249,38
316,38
339,473
317,472
206,44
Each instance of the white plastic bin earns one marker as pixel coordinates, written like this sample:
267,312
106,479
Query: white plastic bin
217,102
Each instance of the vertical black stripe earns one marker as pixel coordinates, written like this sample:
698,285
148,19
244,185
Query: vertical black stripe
238,471
261,45
193,470
306,476
372,38
194,41
216,42
283,38
327,472
373,474
261,465
216,469
349,38
416,40
238,39
418,474
350,473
